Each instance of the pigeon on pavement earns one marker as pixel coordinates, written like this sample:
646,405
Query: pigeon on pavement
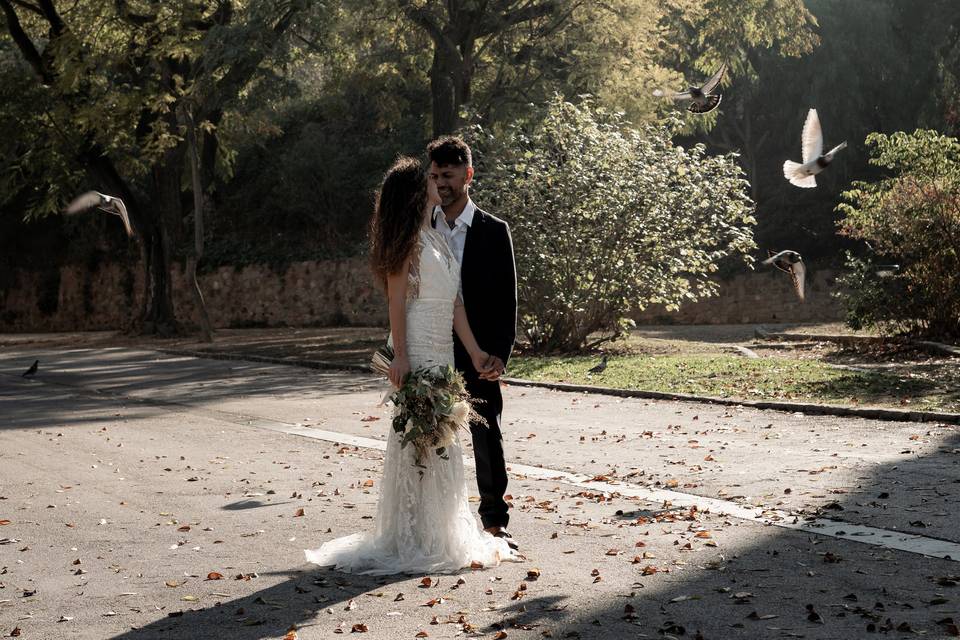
29,373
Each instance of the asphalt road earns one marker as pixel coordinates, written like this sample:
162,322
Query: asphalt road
128,477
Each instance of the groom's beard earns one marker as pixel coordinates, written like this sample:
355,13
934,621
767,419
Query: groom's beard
447,198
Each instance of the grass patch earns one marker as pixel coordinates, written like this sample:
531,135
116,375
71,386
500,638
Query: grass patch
730,376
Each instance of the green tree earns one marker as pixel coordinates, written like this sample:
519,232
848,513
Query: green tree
910,217
607,219
110,90
492,54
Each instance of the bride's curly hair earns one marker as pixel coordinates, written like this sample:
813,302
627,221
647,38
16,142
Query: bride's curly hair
397,216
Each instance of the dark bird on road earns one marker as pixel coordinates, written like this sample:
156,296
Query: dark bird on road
32,370
702,99
792,263
96,200
600,367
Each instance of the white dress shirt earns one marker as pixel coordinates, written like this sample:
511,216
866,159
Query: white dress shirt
457,236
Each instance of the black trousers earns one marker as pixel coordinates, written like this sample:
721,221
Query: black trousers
488,451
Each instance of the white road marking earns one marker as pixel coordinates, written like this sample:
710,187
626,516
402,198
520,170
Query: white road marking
885,538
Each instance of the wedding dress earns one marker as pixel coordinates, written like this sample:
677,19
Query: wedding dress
424,523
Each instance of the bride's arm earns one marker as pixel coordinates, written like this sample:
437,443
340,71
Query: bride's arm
462,326
397,309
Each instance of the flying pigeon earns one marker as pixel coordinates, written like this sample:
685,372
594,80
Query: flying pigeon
600,367
32,370
95,199
792,263
702,99
814,160
887,270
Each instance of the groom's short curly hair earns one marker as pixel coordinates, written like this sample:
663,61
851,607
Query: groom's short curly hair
450,150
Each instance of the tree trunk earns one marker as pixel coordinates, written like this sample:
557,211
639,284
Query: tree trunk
165,208
158,300
443,92
205,328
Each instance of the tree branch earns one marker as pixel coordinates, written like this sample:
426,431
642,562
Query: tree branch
425,20
50,13
239,74
25,44
497,23
136,19
29,7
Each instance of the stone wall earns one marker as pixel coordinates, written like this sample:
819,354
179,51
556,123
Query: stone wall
757,297
338,292
318,293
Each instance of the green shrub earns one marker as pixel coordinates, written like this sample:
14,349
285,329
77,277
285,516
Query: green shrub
607,219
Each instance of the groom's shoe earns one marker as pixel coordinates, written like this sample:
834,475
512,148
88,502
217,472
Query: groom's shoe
500,532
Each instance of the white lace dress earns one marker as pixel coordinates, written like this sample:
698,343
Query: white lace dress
424,523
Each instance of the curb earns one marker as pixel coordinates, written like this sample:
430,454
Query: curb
898,415
928,345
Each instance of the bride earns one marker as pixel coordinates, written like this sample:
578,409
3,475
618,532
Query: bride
424,523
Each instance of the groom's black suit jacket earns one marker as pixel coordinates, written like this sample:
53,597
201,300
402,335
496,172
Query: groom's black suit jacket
488,277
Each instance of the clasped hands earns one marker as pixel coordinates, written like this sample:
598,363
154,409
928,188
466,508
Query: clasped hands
489,367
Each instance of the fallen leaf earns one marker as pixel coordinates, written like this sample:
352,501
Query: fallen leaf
358,628
172,583
613,552
500,635
299,513
15,633
3,522
426,582
422,634
755,616
291,634
213,575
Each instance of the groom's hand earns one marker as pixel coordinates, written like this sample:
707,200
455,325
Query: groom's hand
493,370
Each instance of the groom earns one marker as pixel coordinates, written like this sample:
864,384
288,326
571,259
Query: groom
488,286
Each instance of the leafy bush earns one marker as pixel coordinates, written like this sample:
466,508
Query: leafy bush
607,219
910,218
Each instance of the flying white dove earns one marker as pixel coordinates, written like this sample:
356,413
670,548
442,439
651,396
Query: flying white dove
96,200
702,99
792,263
814,160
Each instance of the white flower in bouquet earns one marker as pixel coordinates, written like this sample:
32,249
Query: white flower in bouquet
461,413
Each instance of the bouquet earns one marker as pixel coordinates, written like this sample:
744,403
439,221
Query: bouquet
431,404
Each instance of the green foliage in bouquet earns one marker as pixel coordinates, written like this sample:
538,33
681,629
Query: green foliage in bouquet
431,404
